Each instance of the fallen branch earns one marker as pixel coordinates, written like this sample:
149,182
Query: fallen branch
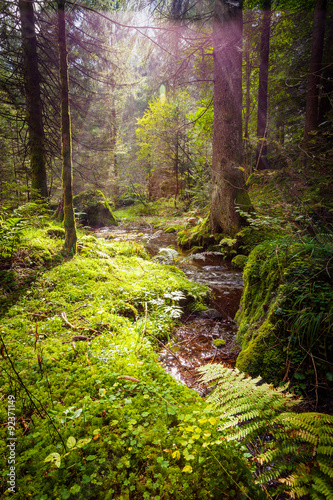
77,338
127,377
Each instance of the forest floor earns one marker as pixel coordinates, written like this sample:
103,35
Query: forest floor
93,413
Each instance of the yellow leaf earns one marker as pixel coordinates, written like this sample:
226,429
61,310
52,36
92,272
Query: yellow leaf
203,420
212,420
71,442
176,454
187,468
53,458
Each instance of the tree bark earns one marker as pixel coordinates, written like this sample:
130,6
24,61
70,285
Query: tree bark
261,155
312,96
66,140
33,100
228,181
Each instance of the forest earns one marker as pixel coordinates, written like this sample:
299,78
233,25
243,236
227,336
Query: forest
166,249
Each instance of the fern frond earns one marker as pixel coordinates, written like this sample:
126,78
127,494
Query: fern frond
323,487
326,466
300,445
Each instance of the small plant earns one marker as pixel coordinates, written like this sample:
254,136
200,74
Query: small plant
11,229
294,449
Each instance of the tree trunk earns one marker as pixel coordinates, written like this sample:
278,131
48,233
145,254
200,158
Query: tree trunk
66,140
33,100
261,156
312,96
228,180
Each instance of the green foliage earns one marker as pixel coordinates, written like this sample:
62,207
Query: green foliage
195,235
218,342
100,417
239,261
293,449
285,315
11,229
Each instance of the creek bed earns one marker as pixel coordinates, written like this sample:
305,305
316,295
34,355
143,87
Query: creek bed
192,345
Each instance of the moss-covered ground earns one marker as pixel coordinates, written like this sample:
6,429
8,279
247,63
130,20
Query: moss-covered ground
95,415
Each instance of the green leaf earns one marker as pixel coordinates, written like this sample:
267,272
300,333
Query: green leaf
77,413
75,489
55,458
71,441
82,442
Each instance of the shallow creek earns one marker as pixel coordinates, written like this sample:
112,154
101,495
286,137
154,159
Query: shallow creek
192,344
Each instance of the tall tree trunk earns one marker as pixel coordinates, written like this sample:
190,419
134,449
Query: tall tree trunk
228,180
312,96
247,112
66,140
33,100
261,155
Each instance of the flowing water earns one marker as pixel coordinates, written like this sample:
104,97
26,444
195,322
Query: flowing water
192,344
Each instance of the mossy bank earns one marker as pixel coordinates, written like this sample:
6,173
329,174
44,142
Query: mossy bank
286,313
96,416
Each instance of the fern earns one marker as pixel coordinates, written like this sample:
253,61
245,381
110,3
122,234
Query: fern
295,449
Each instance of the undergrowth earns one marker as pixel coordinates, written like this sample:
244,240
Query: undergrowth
96,416
292,451
286,313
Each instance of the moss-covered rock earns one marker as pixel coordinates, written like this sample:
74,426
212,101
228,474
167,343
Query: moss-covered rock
93,209
218,342
239,261
286,312
56,232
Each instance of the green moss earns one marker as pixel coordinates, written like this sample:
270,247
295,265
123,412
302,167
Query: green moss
93,209
286,310
56,232
218,342
119,425
239,261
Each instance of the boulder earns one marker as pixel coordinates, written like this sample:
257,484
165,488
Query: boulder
93,210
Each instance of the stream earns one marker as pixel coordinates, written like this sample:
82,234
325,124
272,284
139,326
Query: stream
192,344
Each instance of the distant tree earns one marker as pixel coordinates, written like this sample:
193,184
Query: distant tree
33,100
262,125
313,90
66,138
162,137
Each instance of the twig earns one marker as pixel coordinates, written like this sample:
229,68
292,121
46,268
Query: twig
74,349
316,375
39,315
64,317
80,307
144,326
287,371
131,379
77,338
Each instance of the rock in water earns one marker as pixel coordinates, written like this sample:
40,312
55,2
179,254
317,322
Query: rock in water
211,314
